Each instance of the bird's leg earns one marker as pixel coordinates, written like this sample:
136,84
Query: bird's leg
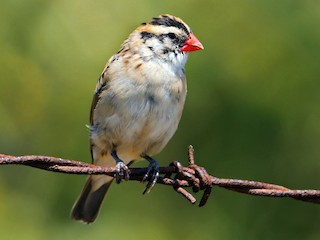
122,171
152,173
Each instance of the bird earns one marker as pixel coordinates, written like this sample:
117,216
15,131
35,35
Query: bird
137,106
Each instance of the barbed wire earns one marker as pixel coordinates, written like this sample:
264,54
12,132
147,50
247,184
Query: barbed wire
175,175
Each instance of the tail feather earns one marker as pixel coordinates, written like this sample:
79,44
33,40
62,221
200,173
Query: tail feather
87,206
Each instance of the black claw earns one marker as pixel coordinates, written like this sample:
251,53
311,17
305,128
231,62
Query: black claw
152,174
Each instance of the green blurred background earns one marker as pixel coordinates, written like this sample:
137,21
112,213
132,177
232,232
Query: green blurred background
252,112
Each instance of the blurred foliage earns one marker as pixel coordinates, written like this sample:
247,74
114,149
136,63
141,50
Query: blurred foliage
252,112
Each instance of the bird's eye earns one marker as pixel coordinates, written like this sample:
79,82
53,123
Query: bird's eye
172,35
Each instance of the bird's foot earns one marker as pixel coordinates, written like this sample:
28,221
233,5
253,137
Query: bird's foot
122,172
152,174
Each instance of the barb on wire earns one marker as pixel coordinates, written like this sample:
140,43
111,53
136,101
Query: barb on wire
175,175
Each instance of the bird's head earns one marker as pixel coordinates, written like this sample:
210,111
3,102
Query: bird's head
166,37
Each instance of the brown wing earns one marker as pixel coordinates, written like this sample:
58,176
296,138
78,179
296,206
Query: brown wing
101,86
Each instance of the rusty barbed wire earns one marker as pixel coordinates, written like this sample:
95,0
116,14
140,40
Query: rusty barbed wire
175,175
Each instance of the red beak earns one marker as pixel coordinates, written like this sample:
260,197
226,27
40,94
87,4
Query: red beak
192,44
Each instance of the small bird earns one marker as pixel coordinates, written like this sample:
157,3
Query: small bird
137,105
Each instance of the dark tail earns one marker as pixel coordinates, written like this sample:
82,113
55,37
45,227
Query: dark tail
87,206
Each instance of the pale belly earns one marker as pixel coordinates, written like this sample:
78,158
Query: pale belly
136,125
